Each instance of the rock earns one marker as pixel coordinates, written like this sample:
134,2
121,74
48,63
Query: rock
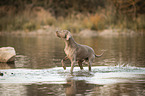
1,74
116,32
110,32
7,54
88,33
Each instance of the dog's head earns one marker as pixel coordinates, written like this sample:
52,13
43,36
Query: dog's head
65,34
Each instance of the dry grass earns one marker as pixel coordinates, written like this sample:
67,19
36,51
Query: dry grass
27,20
38,17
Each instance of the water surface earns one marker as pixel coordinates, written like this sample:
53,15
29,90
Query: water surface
37,70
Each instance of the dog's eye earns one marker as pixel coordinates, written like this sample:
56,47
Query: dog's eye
65,36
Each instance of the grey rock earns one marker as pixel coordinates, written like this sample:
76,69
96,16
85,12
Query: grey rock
7,54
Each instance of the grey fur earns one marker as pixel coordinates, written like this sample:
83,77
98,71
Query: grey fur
76,52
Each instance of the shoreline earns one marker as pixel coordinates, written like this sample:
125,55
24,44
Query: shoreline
87,33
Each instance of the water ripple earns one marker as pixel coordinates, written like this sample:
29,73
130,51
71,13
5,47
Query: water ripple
98,75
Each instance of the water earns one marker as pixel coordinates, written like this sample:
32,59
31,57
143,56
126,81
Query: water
37,70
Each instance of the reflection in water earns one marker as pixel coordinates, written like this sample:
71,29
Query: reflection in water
43,52
77,87
102,81
45,89
82,88
12,90
72,88
119,90
47,51
7,65
22,61
126,89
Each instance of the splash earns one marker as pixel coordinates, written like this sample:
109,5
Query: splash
98,75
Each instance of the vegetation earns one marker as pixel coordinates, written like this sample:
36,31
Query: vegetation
74,15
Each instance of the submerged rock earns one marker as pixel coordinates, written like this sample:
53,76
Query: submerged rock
7,54
1,74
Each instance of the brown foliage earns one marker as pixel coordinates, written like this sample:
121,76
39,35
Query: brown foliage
130,7
72,14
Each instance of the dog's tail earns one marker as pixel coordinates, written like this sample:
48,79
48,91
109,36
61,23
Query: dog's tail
100,54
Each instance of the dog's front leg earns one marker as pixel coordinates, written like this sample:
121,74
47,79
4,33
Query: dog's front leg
73,62
65,58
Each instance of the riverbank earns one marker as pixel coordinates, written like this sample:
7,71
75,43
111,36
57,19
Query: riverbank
92,15
86,33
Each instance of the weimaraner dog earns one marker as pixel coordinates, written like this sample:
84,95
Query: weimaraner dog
76,52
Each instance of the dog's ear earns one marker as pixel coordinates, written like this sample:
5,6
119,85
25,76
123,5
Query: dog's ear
68,36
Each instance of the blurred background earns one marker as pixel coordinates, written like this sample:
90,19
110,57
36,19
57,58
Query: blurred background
74,15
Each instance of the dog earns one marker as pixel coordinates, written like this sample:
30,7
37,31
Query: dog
76,52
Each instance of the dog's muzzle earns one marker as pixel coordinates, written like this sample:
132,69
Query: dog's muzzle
57,34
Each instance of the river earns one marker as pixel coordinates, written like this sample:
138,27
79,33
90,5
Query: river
37,69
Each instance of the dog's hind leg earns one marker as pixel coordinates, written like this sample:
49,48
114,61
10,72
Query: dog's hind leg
80,64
